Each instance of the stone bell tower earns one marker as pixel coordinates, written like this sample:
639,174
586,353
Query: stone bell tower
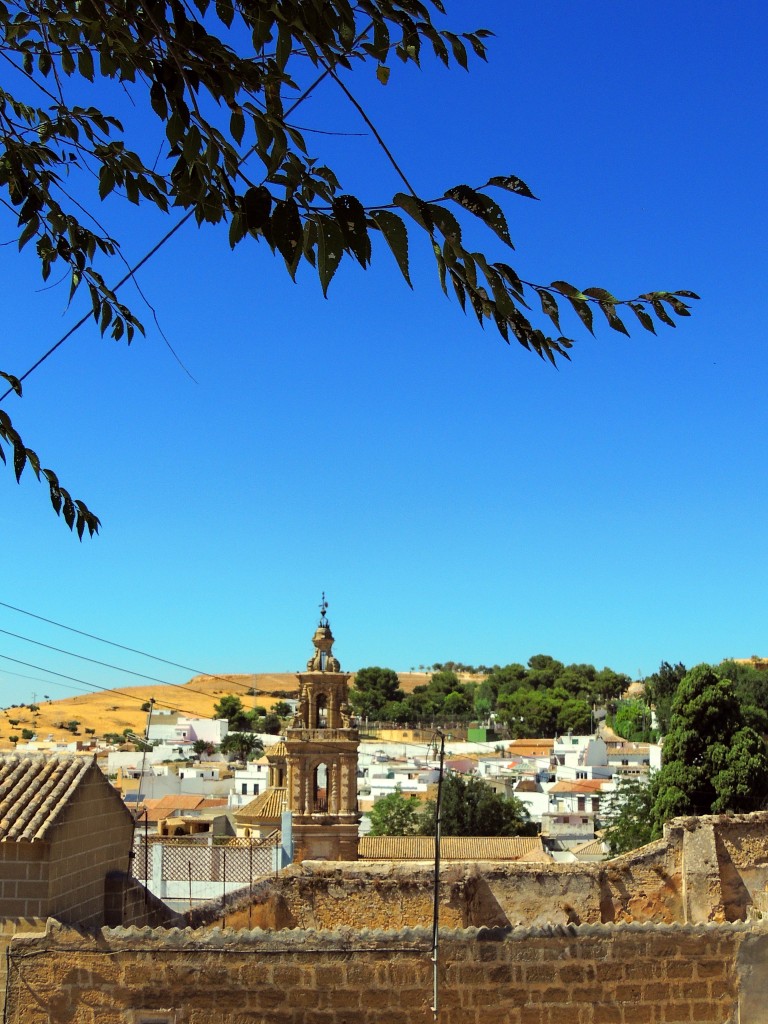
321,758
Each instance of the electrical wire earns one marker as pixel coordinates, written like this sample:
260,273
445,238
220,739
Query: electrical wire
104,664
122,647
95,686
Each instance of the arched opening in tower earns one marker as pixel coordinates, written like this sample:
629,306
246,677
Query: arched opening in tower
320,789
321,715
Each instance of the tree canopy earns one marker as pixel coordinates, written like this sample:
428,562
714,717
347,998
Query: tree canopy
395,815
373,689
712,760
470,807
222,82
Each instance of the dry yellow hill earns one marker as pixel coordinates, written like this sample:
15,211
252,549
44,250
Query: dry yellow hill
116,710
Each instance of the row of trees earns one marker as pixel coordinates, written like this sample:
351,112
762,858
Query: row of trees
541,698
256,719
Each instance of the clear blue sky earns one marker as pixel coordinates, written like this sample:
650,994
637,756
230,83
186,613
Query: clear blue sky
454,497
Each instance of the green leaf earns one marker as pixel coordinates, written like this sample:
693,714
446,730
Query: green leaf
445,222
415,208
237,124
13,381
601,295
583,310
85,63
330,249
644,317
257,203
19,457
549,306
68,508
511,183
441,265
396,236
226,11
662,314
613,318
286,231
382,73
481,206
566,289
351,218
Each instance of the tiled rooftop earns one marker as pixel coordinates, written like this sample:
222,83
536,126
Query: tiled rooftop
451,848
267,806
33,792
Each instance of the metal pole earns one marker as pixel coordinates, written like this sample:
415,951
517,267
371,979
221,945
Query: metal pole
250,879
224,877
436,893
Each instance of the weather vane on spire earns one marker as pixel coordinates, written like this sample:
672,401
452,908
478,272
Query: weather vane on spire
323,610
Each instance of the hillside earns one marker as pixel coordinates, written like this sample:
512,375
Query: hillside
116,710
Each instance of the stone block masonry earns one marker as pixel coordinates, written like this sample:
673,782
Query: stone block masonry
587,974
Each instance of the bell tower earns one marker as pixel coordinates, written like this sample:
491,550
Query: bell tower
321,758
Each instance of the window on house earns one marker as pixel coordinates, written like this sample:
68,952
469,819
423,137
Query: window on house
595,803
582,804
245,788
585,821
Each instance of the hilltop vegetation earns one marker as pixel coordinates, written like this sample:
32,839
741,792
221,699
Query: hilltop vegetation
541,699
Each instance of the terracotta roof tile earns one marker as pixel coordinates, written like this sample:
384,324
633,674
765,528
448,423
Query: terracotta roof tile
267,806
579,786
34,790
451,847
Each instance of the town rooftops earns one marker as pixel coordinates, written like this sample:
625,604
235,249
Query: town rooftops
587,786
157,808
470,848
34,790
532,748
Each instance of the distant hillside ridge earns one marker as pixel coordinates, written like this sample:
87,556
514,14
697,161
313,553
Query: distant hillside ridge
114,711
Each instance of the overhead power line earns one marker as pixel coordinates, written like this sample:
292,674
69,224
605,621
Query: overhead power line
104,664
123,647
95,686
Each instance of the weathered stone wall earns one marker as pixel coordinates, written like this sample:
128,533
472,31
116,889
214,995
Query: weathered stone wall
128,903
705,869
590,974
10,926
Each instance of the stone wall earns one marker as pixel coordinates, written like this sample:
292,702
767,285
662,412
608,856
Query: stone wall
704,869
590,974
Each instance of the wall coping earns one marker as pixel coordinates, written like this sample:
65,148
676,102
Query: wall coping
59,937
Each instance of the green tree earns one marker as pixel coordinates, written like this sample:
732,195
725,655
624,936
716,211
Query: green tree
373,688
221,83
629,822
632,721
528,712
201,747
660,689
471,808
282,709
712,761
242,744
395,815
231,708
